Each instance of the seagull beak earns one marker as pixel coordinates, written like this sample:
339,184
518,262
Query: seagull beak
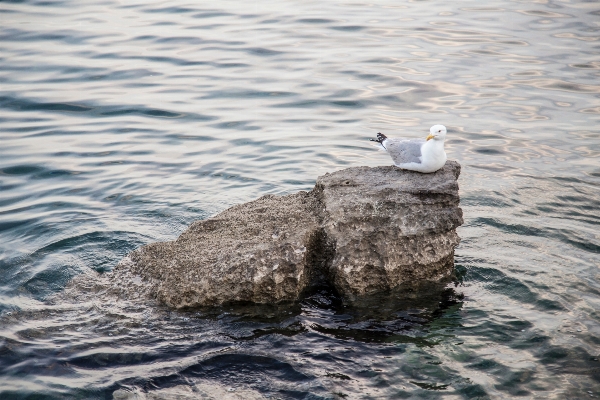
430,136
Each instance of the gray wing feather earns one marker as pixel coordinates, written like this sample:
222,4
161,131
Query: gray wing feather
405,150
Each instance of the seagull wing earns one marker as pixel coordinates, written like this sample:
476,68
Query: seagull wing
405,151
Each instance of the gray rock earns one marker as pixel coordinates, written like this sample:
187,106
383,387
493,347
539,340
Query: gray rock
362,229
390,227
257,251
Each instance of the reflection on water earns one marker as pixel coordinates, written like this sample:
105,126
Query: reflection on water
123,122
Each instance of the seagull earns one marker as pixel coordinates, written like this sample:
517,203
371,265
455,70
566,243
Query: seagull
422,155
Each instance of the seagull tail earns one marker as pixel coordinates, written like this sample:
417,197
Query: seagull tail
380,139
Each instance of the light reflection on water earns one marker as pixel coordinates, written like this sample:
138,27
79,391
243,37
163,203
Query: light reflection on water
123,122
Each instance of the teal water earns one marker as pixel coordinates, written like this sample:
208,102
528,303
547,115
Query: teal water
122,122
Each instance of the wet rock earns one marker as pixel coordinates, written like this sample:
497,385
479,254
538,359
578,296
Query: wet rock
362,229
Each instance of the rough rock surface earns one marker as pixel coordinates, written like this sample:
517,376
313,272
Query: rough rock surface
257,251
361,229
390,227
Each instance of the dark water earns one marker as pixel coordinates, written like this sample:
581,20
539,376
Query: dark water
121,122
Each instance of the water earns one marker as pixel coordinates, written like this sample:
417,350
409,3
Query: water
121,122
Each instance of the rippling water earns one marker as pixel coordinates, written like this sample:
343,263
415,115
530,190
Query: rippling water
121,122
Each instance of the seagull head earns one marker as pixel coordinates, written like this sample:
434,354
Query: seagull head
437,132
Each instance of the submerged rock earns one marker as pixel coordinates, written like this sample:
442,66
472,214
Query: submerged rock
362,229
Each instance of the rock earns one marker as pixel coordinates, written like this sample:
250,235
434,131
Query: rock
390,227
257,251
362,229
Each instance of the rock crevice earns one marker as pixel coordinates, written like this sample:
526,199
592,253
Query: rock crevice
362,230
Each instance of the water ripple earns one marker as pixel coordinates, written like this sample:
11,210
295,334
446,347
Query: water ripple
123,123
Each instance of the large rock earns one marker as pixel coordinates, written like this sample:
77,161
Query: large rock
361,229
389,227
259,251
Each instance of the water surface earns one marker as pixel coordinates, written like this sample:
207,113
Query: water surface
122,122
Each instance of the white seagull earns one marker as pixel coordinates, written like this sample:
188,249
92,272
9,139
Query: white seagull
422,155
